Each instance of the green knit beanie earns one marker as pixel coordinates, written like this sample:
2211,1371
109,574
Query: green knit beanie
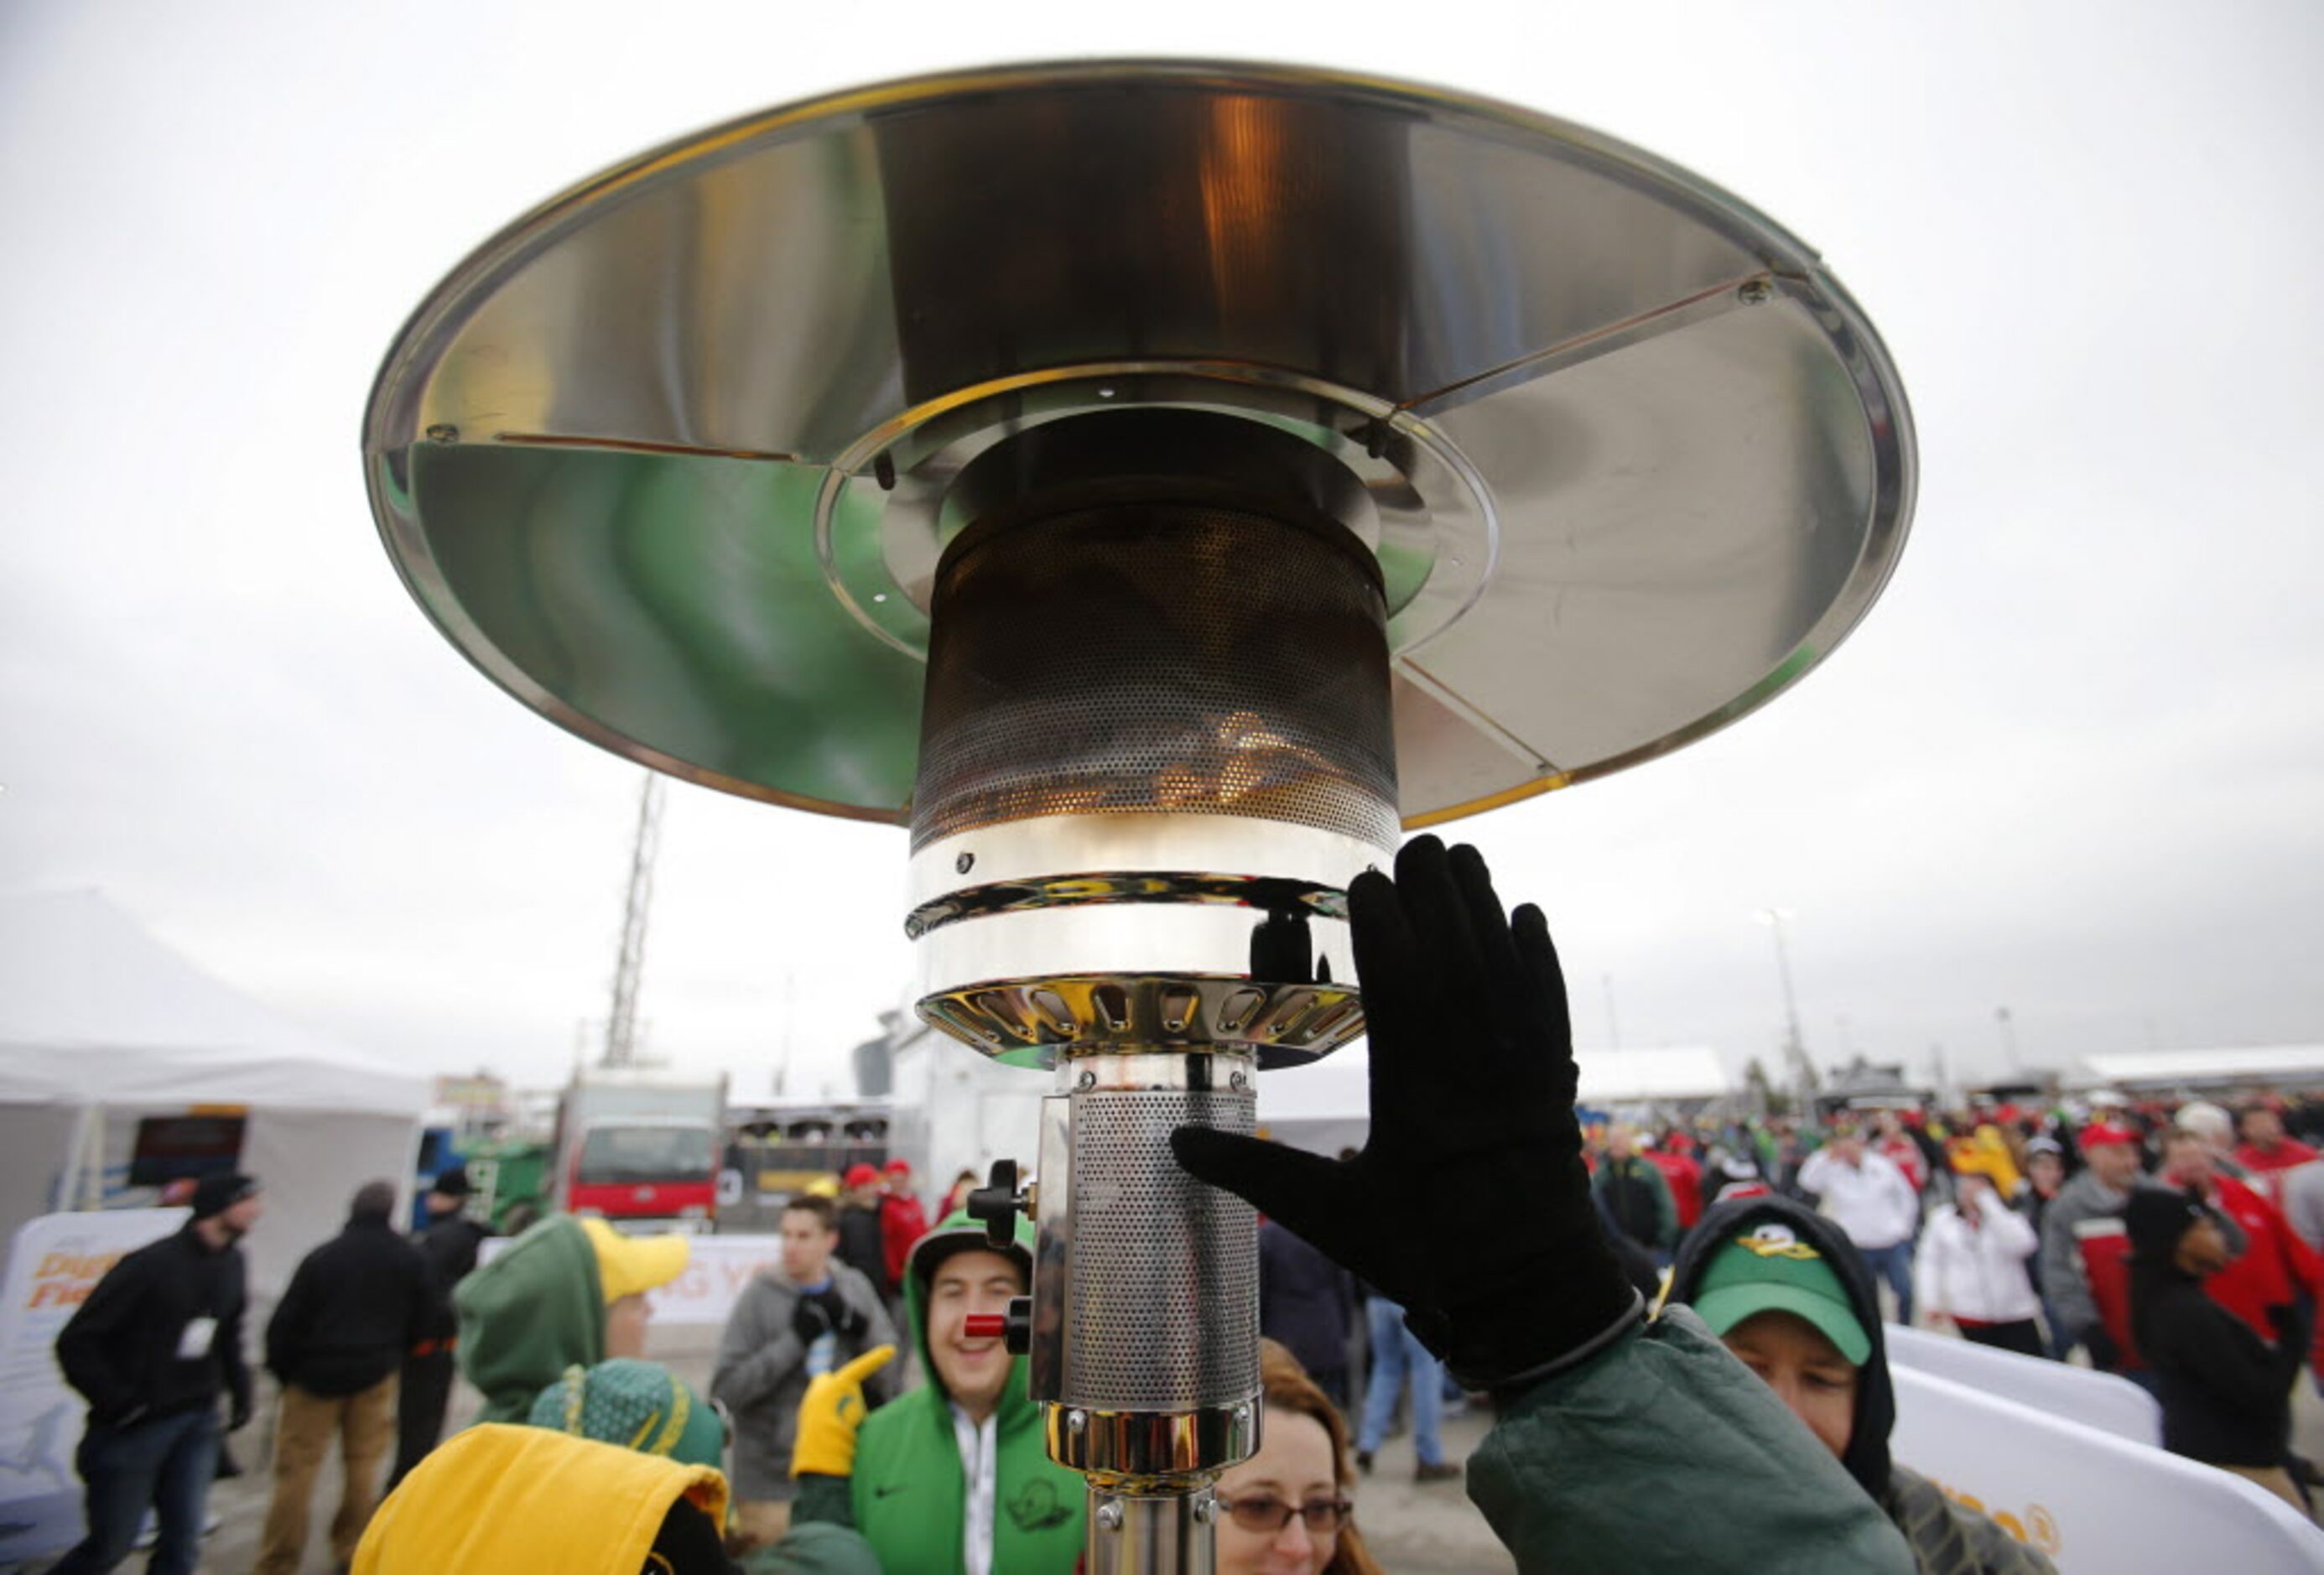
637,1405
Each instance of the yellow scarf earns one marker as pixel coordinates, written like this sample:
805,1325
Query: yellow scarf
500,1497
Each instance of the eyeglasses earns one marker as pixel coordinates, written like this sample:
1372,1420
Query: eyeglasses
1324,1516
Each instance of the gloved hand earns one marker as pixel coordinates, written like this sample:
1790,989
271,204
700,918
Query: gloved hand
238,1413
810,1319
830,1414
1469,1204
2105,1354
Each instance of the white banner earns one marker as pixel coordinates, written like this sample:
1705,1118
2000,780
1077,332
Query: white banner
717,1267
54,1263
2104,1401
2089,1499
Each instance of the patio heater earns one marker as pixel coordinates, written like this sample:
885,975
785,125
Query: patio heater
1155,483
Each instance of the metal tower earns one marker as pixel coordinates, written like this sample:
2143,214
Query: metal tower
621,1028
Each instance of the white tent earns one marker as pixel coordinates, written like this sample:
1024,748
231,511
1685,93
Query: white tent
2302,1065
1325,1107
1675,1075
102,1027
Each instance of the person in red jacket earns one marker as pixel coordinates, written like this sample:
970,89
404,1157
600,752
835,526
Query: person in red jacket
1674,1158
902,1222
2266,1149
1905,1155
2274,1267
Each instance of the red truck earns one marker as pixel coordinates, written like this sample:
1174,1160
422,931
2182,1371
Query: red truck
642,1148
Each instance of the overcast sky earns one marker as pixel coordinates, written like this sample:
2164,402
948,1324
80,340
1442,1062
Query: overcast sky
2071,765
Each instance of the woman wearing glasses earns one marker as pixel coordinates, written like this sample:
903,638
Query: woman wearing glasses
1284,1511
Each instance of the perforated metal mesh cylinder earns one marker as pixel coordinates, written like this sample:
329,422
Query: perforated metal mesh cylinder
1162,1287
1154,656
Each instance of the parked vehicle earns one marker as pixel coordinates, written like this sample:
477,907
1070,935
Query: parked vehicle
642,1148
775,1151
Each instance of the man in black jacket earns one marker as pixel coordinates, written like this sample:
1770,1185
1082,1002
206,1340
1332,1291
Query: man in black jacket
862,1241
151,1348
448,1248
354,1305
2226,1392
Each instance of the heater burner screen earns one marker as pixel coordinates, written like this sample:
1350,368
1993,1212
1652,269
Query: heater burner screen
1163,1289
1158,656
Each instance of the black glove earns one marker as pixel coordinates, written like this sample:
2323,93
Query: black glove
2105,1354
846,1317
238,1413
810,1319
1473,1085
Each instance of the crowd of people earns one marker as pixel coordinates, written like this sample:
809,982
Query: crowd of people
2051,1232
1697,1312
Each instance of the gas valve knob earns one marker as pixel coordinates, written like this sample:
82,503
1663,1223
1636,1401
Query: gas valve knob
997,1204
1014,1328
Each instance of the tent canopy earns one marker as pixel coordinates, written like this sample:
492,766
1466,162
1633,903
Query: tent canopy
2170,1068
1325,1107
1621,1077
95,1010
101,1025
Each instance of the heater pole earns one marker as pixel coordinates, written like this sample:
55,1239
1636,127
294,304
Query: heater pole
1137,1533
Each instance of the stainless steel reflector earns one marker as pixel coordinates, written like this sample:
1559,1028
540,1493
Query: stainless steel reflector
671,457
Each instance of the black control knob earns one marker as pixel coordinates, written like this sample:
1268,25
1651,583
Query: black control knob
997,1204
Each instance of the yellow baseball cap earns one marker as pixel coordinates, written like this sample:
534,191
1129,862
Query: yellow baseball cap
631,1266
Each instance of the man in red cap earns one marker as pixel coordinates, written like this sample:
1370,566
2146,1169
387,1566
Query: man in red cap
2084,1274
902,1223
862,1241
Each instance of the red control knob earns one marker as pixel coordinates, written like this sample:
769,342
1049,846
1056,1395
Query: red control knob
1014,1329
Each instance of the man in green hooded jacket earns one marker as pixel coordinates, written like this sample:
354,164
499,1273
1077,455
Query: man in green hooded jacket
952,1478
570,1291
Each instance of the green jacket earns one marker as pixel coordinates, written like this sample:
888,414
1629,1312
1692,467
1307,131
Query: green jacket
909,1497
529,1314
815,1550
1664,1452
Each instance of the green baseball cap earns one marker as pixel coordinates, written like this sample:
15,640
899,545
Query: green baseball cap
1772,1270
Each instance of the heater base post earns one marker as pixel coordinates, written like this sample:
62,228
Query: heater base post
1150,1533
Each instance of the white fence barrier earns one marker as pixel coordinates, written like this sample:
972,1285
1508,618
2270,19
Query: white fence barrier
2104,1401
2090,1499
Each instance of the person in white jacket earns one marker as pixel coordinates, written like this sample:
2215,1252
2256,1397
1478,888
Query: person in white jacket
1972,1267
1868,1197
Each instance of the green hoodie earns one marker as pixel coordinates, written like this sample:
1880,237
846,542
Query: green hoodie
909,1493
529,1314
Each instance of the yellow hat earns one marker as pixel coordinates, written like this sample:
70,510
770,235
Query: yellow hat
629,1265
1985,1153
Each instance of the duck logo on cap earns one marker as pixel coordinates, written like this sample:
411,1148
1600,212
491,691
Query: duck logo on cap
1773,1241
